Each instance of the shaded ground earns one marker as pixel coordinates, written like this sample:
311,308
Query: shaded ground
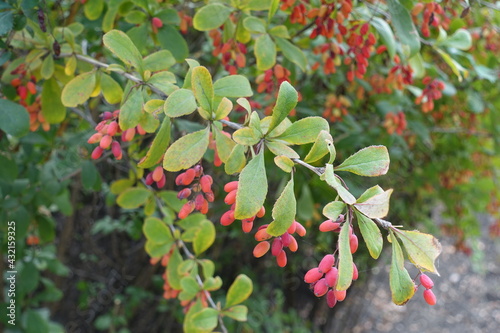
468,293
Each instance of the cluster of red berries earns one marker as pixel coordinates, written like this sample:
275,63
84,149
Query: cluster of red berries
327,15
106,130
431,92
156,176
330,57
330,225
427,283
433,14
228,218
233,52
271,80
336,107
279,243
186,22
198,191
361,42
323,280
23,89
299,11
32,240
400,75
395,122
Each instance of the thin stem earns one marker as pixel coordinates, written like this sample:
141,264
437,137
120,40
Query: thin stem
317,170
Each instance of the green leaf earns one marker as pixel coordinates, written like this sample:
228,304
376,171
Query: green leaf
273,8
287,100
329,177
14,119
47,69
405,29
279,31
422,249
284,163
265,52
402,286
173,276
369,193
204,238
36,322
284,211
78,90
122,47
371,234
186,151
319,148
246,136
239,291
278,148
236,160
206,319
133,197
418,66
131,111
377,206
211,16
333,209
171,39
461,40
370,161
93,9
158,147
224,144
53,110
237,312
111,90
189,287
345,259
202,86
165,81
6,22
254,24
8,169
120,185
181,102
156,230
252,189
454,65
385,32
292,52
225,107
212,283
305,130
233,86
208,268
159,61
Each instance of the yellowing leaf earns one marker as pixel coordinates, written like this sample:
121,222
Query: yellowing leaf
123,47
333,209
179,103
133,197
78,90
319,148
111,90
186,151
236,160
284,163
201,82
422,249
402,287
370,161
211,16
159,145
52,108
284,211
265,52
131,111
345,259
377,206
329,177
239,291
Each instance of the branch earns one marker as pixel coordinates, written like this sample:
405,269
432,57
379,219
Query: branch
127,75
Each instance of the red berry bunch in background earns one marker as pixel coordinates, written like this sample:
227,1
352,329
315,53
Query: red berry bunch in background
335,107
228,218
327,15
330,57
156,176
299,11
361,43
36,115
186,22
198,191
431,92
400,75
168,291
24,86
232,52
395,122
427,283
105,132
270,81
279,243
433,14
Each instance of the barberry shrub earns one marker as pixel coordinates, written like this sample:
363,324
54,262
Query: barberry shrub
332,78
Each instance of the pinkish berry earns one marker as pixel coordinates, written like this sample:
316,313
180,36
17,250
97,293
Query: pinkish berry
210,196
281,259
186,209
231,186
107,115
105,142
429,297
188,176
198,169
112,128
140,130
95,138
230,198
285,239
246,225
320,288
206,183
179,180
426,281
149,179
227,218
157,173
184,193
353,242
277,246
332,276
116,149
261,249
330,298
313,275
199,201
97,152
161,182
340,295
355,273
299,229
292,228
293,246
262,235
328,225
326,263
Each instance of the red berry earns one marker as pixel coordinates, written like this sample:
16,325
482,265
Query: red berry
330,298
198,202
426,281
161,182
179,179
340,295
262,235
293,246
97,152
128,135
231,186
113,128
313,275
261,249
206,183
292,228
429,297
149,179
328,225
22,92
353,242
116,149
281,259
285,239
31,87
106,115
95,138
186,209
105,142
261,212
210,196
355,273
230,197
299,229
184,193
332,276
188,176
157,22
246,225
227,218
277,246
320,288
326,263
157,173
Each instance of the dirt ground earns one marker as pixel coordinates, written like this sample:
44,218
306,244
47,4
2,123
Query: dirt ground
468,293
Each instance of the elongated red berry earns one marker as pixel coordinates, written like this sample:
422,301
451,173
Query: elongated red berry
281,259
113,128
429,297
331,300
231,186
179,179
204,207
95,138
353,242
184,193
285,239
97,152
299,229
188,177
209,196
262,235
206,183
116,149
227,218
246,225
340,295
198,201
293,246
332,276
157,173
261,212
261,249
161,182
328,225
326,263
292,228
128,135
277,246
426,281
157,22
31,87
186,209
149,179
320,288
230,197
107,115
140,130
22,92
355,273
105,142
313,275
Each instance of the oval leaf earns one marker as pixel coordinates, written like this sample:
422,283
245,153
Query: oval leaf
201,83
370,161
265,52
239,291
371,234
78,90
156,230
123,47
181,102
284,211
305,130
53,110
252,188
333,209
211,17
205,237
402,286
133,197
131,111
14,119
186,151
377,206
422,249
233,86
